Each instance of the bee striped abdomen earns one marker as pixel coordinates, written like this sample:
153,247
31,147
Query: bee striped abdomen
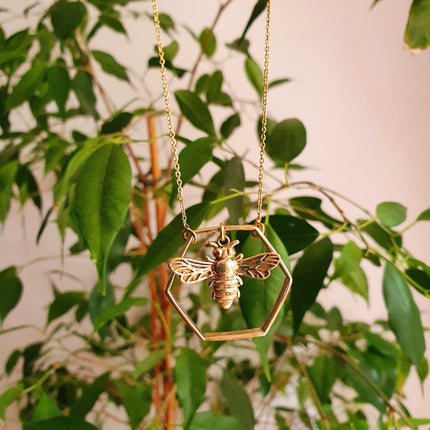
225,283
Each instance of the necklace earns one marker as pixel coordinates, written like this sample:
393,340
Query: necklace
224,269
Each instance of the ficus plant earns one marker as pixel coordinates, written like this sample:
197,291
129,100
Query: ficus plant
113,190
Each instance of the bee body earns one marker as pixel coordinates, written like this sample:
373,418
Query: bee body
224,269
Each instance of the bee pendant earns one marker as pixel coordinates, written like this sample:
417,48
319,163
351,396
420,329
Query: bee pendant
224,269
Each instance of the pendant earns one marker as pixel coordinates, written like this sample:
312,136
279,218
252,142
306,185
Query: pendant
224,270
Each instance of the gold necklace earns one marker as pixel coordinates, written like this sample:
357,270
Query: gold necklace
224,268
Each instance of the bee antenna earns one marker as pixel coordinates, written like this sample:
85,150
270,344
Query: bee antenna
214,244
234,243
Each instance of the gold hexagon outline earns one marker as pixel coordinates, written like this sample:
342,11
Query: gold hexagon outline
234,334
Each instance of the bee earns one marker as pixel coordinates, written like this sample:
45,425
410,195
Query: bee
224,269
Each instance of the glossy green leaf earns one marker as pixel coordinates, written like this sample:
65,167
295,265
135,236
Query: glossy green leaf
194,156
10,291
195,111
59,85
168,241
7,178
214,94
323,376
97,304
423,370
391,213
254,74
27,85
295,233
234,182
83,87
149,362
46,408
66,17
166,22
381,371
117,310
424,215
90,394
101,200
259,296
64,302
110,65
403,314
347,268
207,42
9,396
170,50
190,375
28,187
286,140
420,277
417,33
63,423
308,278
237,400
229,125
209,420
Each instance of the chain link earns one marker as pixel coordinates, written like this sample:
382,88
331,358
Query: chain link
170,125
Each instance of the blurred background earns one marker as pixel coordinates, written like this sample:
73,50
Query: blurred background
363,98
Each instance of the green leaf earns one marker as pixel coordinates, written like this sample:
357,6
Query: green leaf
234,181
110,65
66,17
136,399
323,376
90,394
380,369
7,178
258,9
8,397
286,140
98,303
10,291
211,421
295,233
207,42
420,277
214,94
83,87
148,363
403,314
190,375
381,236
195,111
119,309
417,33
27,85
46,408
59,85
117,123
64,302
391,213
28,188
12,361
237,400
255,75
166,22
259,296
63,423
101,200
308,278
229,125
277,82
347,267
424,216
168,241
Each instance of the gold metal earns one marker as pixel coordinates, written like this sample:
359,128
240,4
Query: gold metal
224,271
170,124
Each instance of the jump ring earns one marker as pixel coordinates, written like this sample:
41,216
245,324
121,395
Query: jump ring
192,233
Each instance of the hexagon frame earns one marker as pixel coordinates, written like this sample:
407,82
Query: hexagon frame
235,334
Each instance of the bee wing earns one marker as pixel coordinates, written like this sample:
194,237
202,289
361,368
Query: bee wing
190,270
259,266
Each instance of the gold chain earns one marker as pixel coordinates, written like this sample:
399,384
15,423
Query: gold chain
170,124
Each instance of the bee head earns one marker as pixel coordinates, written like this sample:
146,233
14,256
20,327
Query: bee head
223,249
